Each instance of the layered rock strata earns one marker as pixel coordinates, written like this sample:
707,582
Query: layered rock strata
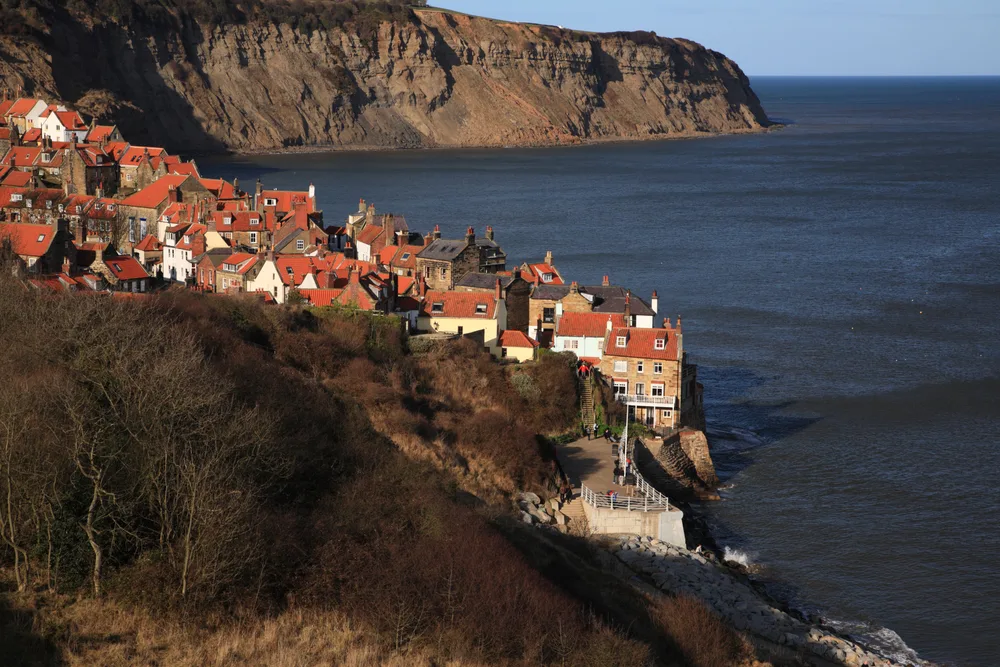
437,80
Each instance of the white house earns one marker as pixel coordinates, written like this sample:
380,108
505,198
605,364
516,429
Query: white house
182,243
58,124
583,333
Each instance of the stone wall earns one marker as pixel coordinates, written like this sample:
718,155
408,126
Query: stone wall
667,526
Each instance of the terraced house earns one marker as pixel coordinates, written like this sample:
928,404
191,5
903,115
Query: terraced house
444,262
648,371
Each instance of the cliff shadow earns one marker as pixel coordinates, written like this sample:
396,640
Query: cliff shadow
112,72
19,642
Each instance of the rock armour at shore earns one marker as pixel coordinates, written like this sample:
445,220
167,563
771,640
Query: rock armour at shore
679,571
439,80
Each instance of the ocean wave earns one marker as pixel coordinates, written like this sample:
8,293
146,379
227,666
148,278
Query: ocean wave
879,639
737,556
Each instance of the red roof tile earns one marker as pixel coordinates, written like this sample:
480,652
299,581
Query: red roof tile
22,107
515,338
589,325
641,343
459,304
28,240
125,268
155,193
148,244
100,133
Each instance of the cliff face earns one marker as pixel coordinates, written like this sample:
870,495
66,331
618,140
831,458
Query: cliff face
437,80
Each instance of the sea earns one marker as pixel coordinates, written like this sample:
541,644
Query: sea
839,284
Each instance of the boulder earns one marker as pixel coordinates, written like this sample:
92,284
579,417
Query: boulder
527,518
530,497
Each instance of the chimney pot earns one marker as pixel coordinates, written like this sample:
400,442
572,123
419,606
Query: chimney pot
606,282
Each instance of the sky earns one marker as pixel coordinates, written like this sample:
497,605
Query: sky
794,37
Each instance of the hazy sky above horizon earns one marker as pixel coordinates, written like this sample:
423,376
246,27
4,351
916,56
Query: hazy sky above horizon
794,37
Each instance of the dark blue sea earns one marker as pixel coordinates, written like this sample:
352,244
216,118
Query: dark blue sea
839,282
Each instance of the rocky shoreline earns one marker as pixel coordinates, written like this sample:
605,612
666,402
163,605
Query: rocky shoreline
734,597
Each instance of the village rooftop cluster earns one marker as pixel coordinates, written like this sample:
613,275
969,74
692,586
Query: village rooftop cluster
85,210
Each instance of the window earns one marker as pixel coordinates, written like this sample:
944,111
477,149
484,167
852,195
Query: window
437,307
666,414
480,309
657,368
79,208
142,227
18,197
288,270
503,352
621,367
640,389
300,244
600,345
620,341
253,238
61,208
656,390
659,344
254,221
548,315
621,387
227,220
639,367
131,230
128,176
444,273
48,203
41,237
574,344
268,201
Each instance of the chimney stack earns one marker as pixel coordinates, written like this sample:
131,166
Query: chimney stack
401,237
312,194
489,233
499,290
666,323
470,236
654,303
606,282
361,205
548,257
437,232
628,308
678,324
422,286
574,288
67,267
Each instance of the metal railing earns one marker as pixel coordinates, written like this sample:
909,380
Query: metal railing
643,503
644,398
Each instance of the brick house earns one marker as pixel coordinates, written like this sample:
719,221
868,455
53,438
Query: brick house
89,170
516,294
141,211
236,271
444,262
646,369
42,248
206,267
471,314
547,303
543,273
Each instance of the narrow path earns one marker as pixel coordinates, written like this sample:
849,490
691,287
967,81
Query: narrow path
592,462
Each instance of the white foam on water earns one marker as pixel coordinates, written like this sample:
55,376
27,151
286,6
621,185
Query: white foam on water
737,556
879,639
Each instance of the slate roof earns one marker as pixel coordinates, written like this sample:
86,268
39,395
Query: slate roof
485,281
612,300
443,249
550,292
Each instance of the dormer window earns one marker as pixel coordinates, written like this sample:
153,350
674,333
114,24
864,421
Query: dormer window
289,270
620,341
111,208
437,307
16,197
227,220
41,237
254,221
300,244
48,204
270,202
79,209
659,344
480,309
27,203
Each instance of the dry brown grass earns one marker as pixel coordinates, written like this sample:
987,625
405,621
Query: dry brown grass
703,638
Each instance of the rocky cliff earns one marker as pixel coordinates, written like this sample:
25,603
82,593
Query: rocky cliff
434,80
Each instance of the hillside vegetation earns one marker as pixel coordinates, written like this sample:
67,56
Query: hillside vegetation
206,480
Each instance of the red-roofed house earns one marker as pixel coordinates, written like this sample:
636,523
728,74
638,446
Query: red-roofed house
516,346
42,248
61,125
24,113
124,274
149,252
583,333
480,315
236,272
143,210
648,371
543,273
89,170
140,166
102,134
